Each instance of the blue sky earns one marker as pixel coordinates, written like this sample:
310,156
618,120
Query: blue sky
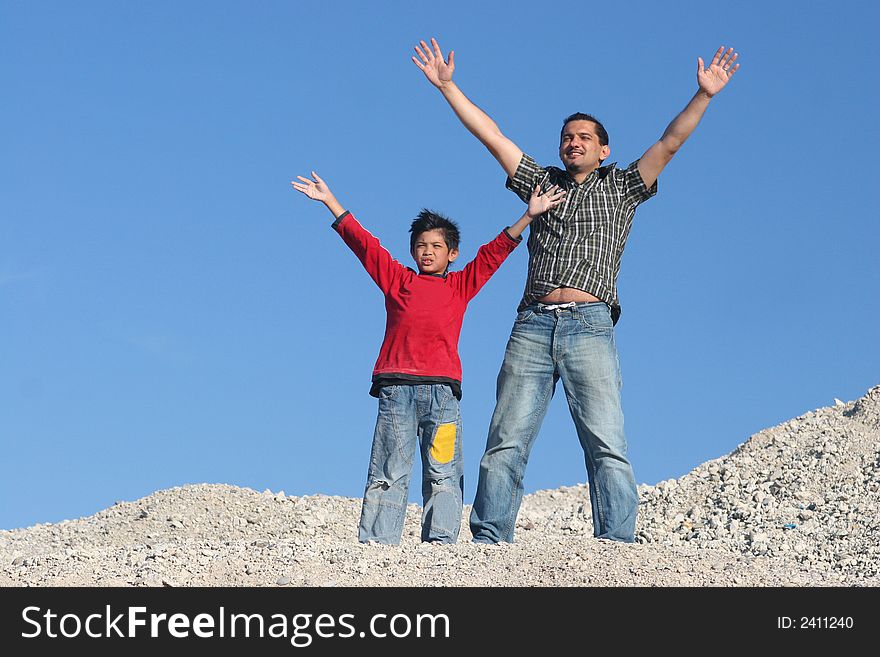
172,312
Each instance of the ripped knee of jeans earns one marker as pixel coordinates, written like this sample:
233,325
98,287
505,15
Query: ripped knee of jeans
449,483
378,484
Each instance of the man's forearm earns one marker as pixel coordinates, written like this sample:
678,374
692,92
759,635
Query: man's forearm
482,127
472,117
684,124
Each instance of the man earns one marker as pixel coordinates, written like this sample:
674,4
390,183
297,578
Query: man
564,326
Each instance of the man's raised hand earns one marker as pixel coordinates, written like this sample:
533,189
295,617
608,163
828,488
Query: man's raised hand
435,68
713,78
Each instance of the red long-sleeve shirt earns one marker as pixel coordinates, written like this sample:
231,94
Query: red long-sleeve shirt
424,312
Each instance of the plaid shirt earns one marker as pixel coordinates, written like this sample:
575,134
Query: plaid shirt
579,243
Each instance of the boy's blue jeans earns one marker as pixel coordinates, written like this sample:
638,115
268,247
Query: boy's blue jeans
407,413
577,346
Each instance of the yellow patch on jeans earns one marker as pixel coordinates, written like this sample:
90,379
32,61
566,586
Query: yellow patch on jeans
443,447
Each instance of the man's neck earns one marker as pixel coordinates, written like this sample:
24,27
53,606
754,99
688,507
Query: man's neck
580,176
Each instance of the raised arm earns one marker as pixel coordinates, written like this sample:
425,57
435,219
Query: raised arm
439,73
318,190
375,258
491,255
711,80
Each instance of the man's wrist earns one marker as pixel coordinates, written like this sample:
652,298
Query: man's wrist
446,85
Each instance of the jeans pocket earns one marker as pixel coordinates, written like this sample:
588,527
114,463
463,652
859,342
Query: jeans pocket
387,392
524,316
444,393
596,319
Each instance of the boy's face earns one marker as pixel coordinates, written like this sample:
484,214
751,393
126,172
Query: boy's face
431,253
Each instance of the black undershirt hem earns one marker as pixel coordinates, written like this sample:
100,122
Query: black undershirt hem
394,379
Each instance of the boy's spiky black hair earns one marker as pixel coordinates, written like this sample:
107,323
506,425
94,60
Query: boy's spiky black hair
429,220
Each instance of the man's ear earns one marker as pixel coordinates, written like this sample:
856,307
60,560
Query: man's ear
453,254
605,152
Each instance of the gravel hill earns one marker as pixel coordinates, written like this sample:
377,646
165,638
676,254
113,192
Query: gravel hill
797,504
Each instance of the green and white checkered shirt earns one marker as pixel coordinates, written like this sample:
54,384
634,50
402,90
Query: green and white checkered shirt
579,243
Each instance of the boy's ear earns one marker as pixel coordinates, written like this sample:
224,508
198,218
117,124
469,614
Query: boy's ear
453,254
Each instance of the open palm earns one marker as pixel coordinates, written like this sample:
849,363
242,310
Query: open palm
541,201
315,189
713,78
431,61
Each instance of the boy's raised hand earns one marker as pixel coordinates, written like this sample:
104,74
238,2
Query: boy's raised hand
318,190
541,201
315,189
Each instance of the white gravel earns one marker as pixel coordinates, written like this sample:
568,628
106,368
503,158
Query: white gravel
795,505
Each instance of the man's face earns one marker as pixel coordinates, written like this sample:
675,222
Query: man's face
579,147
431,253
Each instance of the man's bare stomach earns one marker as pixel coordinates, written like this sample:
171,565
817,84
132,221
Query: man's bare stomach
566,294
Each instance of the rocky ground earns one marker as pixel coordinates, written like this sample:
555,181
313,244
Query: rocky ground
795,505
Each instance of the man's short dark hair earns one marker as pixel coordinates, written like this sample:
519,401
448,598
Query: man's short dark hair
580,116
428,220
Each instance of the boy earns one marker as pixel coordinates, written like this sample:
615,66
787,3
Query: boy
417,376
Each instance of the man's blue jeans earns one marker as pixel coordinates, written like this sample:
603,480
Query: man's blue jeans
407,413
577,346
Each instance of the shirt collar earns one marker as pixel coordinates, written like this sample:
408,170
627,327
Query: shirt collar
418,273
597,174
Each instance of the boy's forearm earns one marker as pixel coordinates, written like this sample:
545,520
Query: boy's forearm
519,226
334,206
